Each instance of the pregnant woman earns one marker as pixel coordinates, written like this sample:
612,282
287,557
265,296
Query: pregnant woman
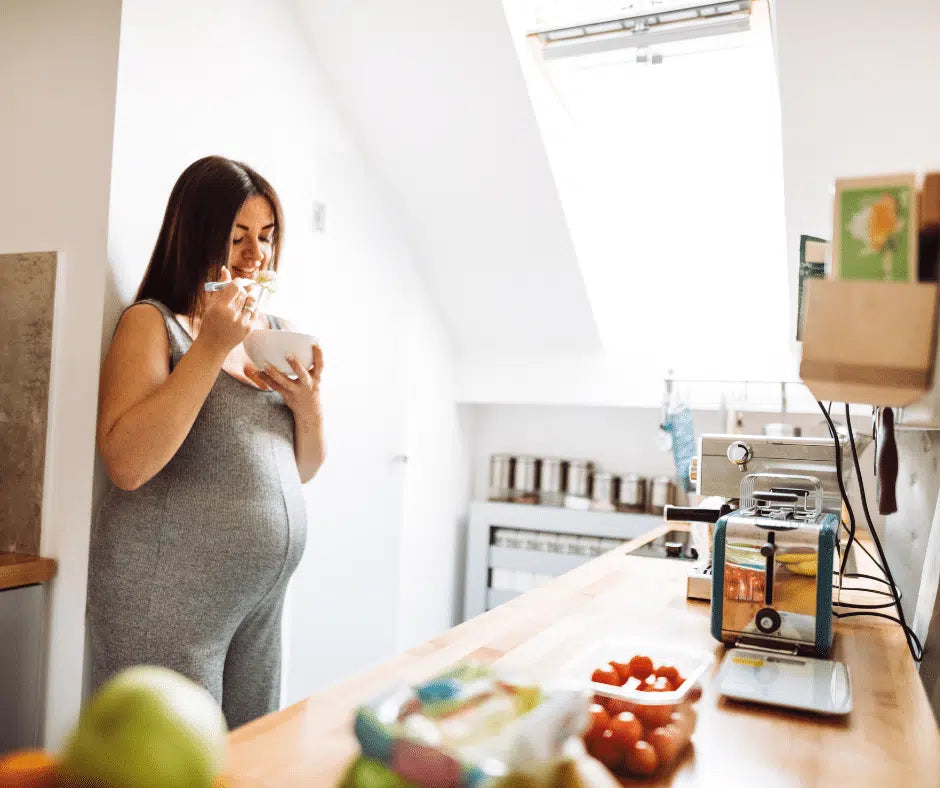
196,538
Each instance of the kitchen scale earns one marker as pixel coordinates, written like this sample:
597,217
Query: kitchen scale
793,682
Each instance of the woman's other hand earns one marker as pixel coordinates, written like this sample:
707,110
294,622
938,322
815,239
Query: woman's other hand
302,395
226,319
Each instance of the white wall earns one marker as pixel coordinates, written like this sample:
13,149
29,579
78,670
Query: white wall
58,63
437,98
855,81
242,80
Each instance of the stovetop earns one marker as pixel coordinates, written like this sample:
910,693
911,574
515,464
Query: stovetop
672,544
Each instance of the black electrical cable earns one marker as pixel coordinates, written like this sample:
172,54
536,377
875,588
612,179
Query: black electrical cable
873,560
845,497
909,634
876,591
854,575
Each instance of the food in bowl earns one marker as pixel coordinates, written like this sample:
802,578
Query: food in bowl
645,730
269,346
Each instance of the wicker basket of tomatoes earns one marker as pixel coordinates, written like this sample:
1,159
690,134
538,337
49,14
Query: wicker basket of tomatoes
643,714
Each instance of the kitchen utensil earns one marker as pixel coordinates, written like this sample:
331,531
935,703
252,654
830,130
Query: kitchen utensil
631,495
772,565
525,480
265,280
501,466
678,423
269,346
887,462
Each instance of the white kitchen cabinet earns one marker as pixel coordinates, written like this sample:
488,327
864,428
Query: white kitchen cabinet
21,624
512,548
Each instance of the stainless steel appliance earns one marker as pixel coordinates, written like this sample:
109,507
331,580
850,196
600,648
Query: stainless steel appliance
772,564
723,462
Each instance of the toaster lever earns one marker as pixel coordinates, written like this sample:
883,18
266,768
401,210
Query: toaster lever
768,550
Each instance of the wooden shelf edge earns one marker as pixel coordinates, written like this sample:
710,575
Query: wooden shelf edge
17,569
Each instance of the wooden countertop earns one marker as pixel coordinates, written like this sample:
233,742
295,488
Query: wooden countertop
890,738
18,570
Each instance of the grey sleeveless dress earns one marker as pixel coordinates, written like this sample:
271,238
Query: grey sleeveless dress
189,571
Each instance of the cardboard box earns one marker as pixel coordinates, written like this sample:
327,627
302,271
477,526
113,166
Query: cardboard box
869,342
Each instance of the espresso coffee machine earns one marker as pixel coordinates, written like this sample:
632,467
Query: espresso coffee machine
770,522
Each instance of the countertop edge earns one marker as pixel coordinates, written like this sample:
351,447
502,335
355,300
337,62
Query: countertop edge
18,570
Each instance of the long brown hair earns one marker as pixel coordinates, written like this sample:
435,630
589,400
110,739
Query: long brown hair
193,244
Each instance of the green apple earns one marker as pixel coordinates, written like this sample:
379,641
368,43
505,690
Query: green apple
148,727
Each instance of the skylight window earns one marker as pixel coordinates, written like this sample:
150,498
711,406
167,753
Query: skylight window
668,162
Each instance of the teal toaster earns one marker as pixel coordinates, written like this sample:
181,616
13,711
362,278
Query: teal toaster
772,565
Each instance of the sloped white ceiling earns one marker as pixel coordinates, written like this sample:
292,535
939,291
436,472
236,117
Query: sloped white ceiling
435,93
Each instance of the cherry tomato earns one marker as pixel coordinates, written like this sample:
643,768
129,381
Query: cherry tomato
667,742
599,719
654,717
606,675
617,706
641,667
623,670
607,749
641,759
627,728
668,672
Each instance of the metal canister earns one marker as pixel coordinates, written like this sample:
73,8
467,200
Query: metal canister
578,487
662,492
632,494
525,480
603,491
552,482
501,466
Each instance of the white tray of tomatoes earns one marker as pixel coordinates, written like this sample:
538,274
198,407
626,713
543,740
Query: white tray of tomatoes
642,717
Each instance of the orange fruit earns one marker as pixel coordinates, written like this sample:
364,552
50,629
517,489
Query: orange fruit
28,769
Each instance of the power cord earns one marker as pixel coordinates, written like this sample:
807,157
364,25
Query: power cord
845,497
913,643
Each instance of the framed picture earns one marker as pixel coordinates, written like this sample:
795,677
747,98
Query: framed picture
875,229
813,254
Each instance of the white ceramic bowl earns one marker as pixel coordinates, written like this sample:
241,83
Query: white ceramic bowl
269,346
